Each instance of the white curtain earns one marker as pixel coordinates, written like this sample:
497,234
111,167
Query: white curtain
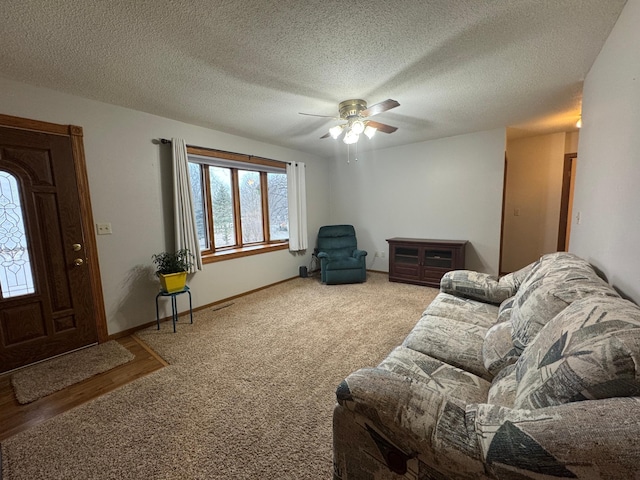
184,214
297,196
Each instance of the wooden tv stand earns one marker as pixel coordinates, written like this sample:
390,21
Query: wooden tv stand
423,261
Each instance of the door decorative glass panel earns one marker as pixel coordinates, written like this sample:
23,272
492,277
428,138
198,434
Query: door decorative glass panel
16,277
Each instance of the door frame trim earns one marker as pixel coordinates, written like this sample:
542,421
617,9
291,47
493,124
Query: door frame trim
564,223
75,135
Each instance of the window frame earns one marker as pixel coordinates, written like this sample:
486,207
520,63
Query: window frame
236,162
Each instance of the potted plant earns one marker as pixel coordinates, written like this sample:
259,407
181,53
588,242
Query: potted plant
172,268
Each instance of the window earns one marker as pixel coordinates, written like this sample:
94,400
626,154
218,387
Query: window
240,203
16,277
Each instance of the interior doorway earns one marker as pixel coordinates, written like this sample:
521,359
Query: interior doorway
50,292
537,197
566,200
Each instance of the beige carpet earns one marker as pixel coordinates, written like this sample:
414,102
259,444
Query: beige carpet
45,378
248,394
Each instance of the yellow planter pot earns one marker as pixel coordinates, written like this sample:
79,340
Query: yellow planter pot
173,282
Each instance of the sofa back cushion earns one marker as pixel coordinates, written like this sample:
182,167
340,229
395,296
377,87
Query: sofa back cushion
482,286
515,279
498,350
555,282
504,388
550,262
591,350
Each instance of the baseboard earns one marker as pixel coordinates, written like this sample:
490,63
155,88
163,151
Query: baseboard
132,330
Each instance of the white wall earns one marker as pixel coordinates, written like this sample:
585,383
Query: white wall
608,175
532,199
130,184
448,189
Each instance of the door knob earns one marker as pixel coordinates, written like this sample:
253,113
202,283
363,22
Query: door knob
78,261
76,247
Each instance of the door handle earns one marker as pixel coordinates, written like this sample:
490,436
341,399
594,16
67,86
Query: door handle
78,262
76,247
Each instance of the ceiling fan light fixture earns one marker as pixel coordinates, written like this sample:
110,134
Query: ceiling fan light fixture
370,131
336,131
350,137
357,127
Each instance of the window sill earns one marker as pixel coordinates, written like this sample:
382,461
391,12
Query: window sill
243,252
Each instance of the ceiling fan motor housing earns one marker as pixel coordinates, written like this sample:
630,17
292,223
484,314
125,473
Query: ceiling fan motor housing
351,108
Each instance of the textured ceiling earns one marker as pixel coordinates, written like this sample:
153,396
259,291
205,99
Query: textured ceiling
248,67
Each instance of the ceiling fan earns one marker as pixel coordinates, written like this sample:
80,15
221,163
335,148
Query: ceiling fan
356,115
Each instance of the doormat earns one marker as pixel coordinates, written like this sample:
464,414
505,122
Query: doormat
45,378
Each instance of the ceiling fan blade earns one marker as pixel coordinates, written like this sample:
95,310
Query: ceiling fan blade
379,108
382,127
314,115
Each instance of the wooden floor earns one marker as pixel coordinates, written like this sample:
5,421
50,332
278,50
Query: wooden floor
15,418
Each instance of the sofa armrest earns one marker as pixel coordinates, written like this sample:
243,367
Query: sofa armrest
359,253
395,399
424,423
322,255
574,440
477,286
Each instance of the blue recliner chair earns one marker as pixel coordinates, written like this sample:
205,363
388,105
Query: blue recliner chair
340,259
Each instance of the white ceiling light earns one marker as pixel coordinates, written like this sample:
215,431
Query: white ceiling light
369,131
350,137
357,127
336,131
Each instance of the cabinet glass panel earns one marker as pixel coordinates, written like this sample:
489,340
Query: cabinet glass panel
438,258
406,255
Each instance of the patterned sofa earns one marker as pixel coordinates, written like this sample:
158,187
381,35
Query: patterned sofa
535,375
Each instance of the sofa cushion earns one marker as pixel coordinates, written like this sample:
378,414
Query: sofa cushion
504,312
504,387
498,350
513,280
462,309
455,342
460,386
550,289
589,351
553,262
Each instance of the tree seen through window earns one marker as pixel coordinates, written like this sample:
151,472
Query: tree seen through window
230,207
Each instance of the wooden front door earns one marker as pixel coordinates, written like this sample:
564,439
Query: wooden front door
48,303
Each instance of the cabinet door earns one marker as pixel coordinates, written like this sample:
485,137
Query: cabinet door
405,261
435,257
435,261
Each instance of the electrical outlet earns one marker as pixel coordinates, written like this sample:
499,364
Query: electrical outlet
104,228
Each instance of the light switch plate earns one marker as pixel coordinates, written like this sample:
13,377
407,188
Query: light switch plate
104,228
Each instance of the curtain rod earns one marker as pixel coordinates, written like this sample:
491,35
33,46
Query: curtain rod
165,141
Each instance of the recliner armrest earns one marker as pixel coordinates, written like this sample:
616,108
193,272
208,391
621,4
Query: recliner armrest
359,253
322,255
